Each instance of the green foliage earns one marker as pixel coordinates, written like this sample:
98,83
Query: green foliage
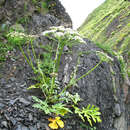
41,6
5,46
108,49
58,109
18,38
87,127
90,112
23,20
56,97
5,49
104,57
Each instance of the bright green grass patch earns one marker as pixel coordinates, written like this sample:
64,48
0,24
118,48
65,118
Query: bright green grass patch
109,27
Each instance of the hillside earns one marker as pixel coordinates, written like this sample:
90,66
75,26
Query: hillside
109,26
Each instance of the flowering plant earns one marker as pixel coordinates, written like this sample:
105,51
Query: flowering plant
57,99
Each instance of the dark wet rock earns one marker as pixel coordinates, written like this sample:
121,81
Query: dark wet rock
2,2
97,88
13,79
18,127
13,121
40,22
59,11
4,123
2,81
30,117
32,128
12,102
117,110
24,128
9,85
1,105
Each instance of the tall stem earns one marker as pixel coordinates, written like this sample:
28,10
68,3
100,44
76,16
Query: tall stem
69,85
54,68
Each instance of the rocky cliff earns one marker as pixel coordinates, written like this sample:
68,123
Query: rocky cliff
102,87
109,27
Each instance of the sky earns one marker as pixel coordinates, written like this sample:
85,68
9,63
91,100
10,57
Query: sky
79,9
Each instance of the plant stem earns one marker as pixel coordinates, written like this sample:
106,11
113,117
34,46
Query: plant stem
29,55
69,85
89,71
23,53
33,51
43,79
54,68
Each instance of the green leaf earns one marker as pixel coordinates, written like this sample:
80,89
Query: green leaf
60,109
92,112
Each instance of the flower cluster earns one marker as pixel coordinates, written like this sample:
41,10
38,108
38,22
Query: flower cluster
104,57
62,33
20,36
55,123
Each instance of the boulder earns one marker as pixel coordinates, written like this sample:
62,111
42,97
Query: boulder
102,87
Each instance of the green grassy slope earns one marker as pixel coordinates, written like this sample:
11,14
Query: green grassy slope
109,25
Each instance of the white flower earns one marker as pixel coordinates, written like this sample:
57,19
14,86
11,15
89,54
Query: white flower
45,33
79,39
58,34
59,28
103,56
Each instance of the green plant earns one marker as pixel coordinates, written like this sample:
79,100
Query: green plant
18,38
90,112
87,127
108,49
57,100
5,49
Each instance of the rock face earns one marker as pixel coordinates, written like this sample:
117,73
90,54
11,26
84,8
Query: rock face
33,16
111,28
102,87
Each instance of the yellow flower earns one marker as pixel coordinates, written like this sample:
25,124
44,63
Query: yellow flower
55,123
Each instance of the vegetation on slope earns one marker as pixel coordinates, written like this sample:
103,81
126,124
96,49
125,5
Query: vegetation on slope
109,26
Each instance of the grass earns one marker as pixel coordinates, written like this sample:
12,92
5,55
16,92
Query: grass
108,26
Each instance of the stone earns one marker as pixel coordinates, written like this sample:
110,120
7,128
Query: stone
2,2
97,87
30,117
13,121
24,101
1,105
117,110
24,128
120,123
42,23
5,124
13,79
2,81
12,102
18,127
32,128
